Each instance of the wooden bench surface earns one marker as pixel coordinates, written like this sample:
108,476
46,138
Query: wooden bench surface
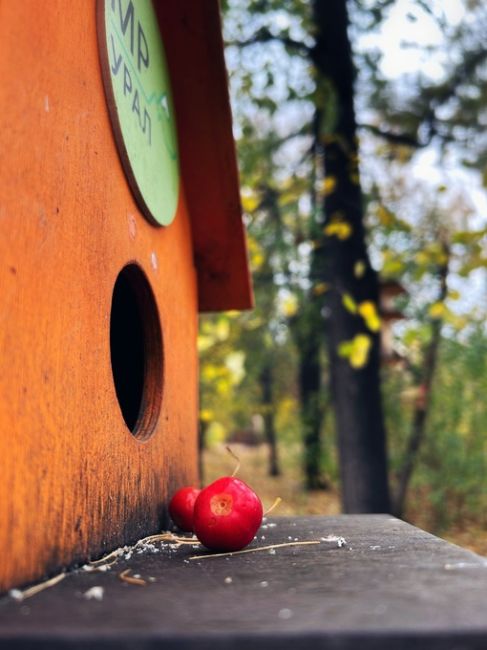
391,586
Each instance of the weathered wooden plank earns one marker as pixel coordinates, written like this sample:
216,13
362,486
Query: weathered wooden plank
391,587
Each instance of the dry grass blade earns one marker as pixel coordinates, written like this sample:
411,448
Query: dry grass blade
167,537
113,555
17,594
131,580
253,550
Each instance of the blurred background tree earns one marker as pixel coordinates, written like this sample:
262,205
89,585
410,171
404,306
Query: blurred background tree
350,237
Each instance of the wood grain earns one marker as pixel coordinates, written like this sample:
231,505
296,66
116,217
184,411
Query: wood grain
75,482
391,587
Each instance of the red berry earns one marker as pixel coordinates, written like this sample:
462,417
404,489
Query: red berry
227,514
181,507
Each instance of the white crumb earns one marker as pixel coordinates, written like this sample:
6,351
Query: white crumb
16,594
340,541
95,593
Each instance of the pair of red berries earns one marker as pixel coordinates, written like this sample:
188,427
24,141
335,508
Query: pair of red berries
224,516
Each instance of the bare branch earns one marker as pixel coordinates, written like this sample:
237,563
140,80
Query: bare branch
392,136
263,35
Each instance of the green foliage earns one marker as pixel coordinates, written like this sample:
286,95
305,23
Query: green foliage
453,462
417,223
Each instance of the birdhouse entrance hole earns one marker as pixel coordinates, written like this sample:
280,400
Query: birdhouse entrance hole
136,348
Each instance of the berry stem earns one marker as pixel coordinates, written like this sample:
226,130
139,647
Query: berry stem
236,458
273,506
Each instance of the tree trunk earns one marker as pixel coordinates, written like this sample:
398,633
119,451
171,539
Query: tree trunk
306,328
346,268
202,427
422,404
266,382
310,390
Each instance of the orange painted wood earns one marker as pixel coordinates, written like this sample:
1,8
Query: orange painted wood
74,481
192,35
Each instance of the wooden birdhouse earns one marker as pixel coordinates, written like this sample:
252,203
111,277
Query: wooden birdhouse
119,220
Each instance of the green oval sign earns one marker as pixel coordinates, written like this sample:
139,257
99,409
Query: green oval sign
139,98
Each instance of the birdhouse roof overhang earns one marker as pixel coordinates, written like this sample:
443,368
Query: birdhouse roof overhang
192,36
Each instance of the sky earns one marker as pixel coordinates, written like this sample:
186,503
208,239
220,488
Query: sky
409,24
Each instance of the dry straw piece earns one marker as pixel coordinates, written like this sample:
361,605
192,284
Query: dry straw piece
19,595
253,550
131,580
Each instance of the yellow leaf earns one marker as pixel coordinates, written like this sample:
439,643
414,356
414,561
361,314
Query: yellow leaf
206,415
256,253
360,351
349,303
256,260
385,216
223,386
210,372
249,201
345,349
436,310
254,323
422,258
458,322
216,433
329,185
339,228
287,198
222,329
359,269
392,266
356,351
437,253
289,306
205,342
369,313
320,288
